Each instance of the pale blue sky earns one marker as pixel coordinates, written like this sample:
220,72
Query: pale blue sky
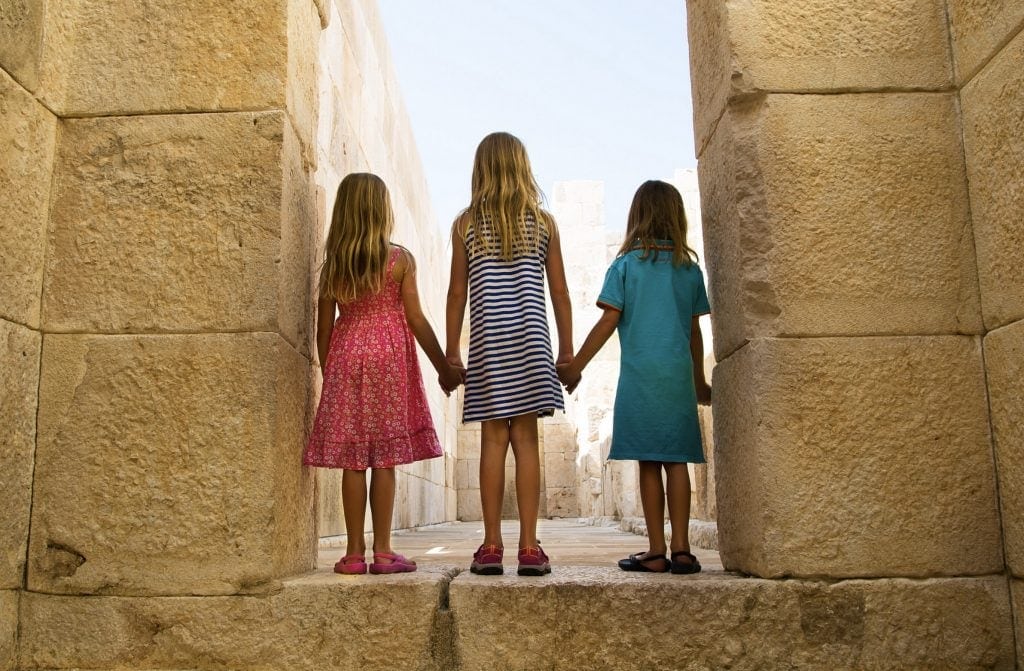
597,89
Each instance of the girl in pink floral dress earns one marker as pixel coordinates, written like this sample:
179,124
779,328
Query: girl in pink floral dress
373,409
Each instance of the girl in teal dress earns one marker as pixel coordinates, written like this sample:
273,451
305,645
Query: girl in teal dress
654,294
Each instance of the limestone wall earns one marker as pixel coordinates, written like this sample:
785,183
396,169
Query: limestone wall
363,127
847,239
989,49
157,229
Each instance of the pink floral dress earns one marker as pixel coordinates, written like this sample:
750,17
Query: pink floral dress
373,409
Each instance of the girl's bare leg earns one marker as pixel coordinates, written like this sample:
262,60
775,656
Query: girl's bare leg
523,434
382,507
652,498
678,490
493,448
353,502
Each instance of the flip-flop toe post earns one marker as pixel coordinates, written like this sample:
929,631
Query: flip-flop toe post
395,564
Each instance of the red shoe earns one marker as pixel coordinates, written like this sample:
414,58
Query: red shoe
487,560
533,561
396,564
351,565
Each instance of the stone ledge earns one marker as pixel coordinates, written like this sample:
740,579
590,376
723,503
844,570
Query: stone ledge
316,621
431,620
8,628
629,621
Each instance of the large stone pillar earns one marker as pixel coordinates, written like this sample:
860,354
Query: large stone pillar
988,44
172,296
851,423
28,132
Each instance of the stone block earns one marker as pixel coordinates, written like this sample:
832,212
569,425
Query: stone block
8,629
601,618
559,469
1004,368
179,223
467,474
331,516
301,94
21,38
468,506
1017,587
704,497
561,502
737,48
108,58
838,215
315,622
994,147
979,30
830,451
468,441
19,386
170,465
27,137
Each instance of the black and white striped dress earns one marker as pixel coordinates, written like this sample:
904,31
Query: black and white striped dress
510,370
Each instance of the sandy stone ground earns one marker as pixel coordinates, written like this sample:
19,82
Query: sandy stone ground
569,543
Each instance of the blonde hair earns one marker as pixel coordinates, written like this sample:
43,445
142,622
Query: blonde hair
657,214
356,252
505,197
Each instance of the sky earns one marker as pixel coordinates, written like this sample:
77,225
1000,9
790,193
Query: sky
596,89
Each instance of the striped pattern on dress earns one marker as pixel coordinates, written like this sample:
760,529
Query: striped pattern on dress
511,370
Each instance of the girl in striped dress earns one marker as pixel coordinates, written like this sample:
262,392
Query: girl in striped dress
503,245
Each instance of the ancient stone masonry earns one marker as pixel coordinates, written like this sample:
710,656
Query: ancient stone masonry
166,169
860,171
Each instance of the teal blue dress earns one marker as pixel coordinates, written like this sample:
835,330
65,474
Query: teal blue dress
655,403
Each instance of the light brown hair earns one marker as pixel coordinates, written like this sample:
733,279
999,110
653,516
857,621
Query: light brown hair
504,198
657,214
356,252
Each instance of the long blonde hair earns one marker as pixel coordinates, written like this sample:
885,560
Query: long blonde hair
657,214
505,197
356,253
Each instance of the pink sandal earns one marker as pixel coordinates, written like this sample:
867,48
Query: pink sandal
397,564
351,565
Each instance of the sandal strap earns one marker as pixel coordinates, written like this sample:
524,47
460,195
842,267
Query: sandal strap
683,553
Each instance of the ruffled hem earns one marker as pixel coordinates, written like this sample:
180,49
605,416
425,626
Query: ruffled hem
384,453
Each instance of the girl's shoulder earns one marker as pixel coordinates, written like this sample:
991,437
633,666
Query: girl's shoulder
400,260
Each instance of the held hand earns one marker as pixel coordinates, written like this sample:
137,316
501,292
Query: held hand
568,376
703,393
450,378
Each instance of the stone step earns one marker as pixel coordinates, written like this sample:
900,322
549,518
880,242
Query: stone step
580,617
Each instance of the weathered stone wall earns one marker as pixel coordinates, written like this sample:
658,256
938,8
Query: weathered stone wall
157,225
989,50
852,432
363,127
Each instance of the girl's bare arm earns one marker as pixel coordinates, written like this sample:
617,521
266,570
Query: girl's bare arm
324,328
458,291
560,302
697,354
448,376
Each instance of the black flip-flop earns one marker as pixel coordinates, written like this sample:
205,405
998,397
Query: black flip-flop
634,563
680,567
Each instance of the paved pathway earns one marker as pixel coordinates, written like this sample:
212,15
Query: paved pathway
567,541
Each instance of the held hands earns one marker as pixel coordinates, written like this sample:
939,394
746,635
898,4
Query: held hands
451,375
568,373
